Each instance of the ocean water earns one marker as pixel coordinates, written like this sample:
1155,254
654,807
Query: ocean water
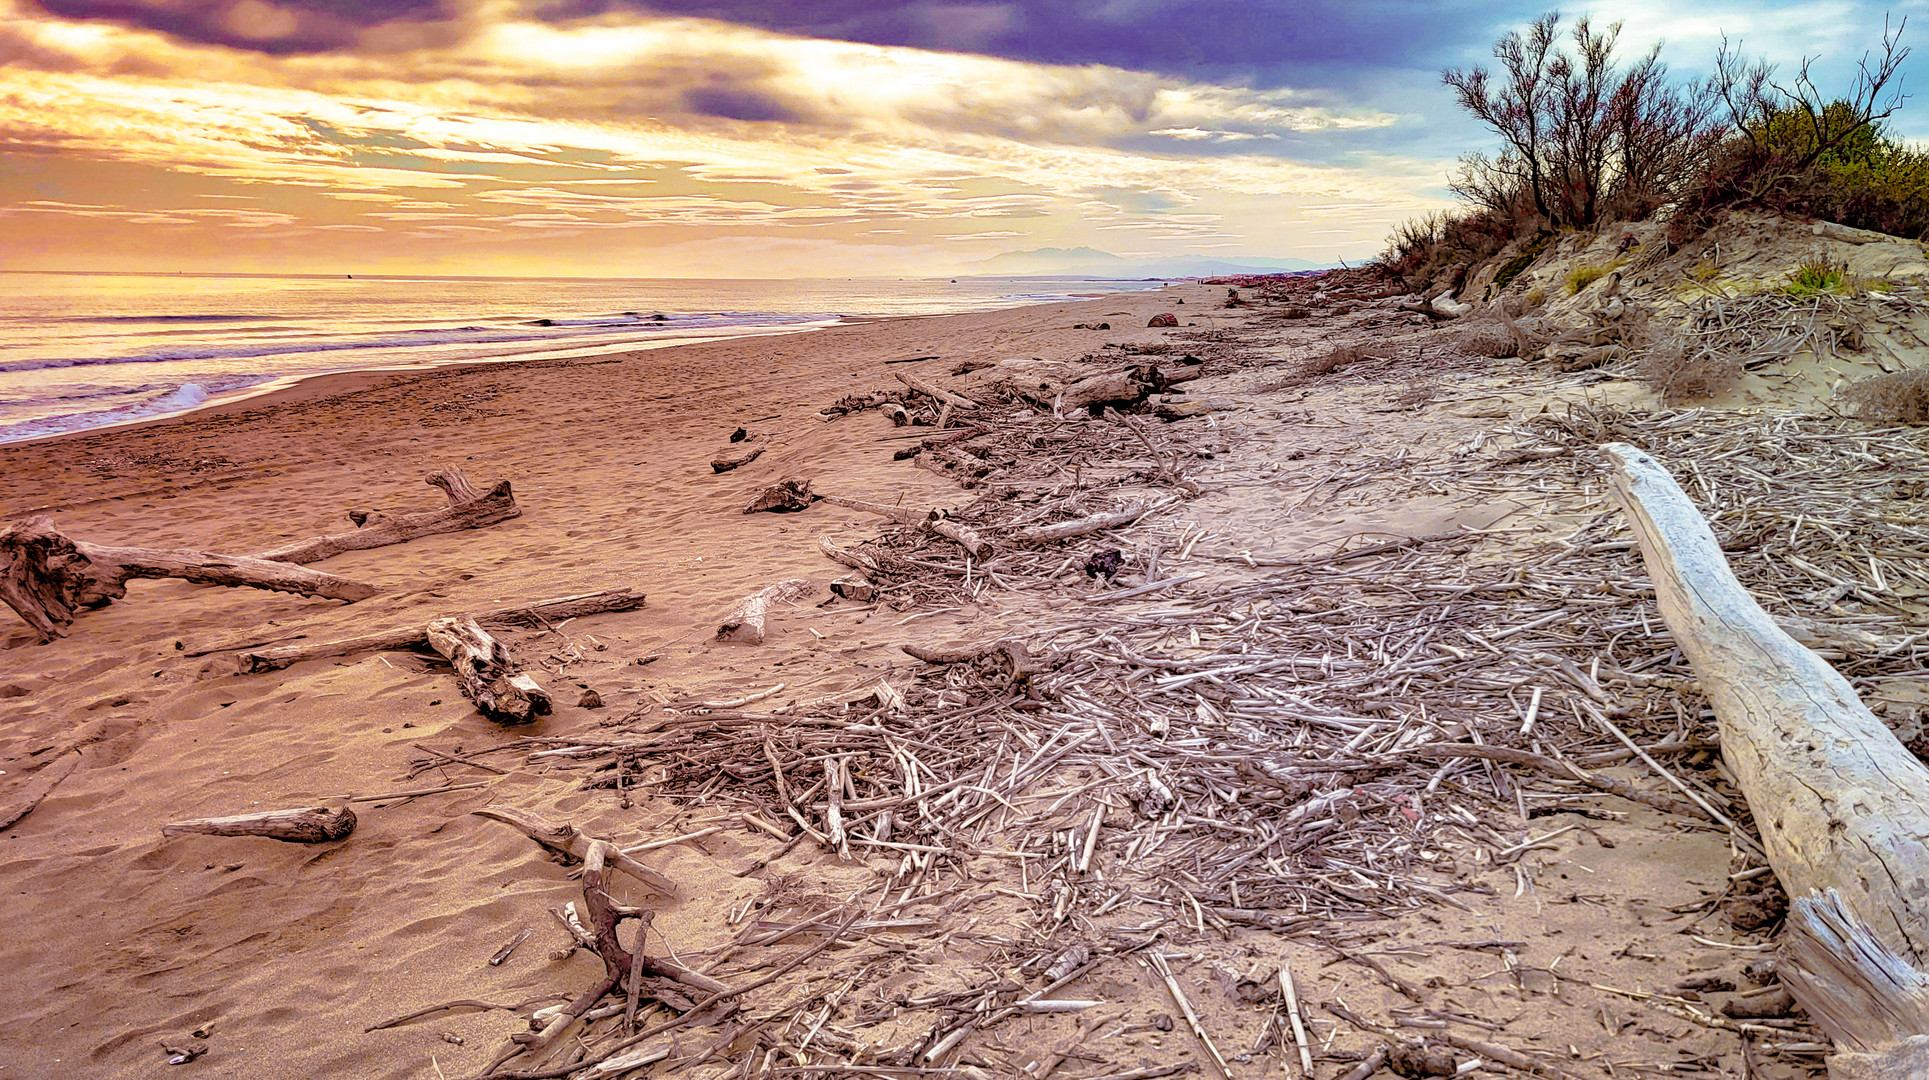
81,351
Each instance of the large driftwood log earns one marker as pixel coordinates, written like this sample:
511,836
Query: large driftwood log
542,613
1841,804
488,673
1122,389
48,577
467,509
308,825
745,622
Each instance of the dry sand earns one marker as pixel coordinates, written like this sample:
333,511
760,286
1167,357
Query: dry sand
117,940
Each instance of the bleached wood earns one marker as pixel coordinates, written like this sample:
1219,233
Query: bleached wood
966,537
467,509
1840,803
488,673
745,622
1039,534
306,825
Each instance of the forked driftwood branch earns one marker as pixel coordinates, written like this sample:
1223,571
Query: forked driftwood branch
1842,806
49,577
467,509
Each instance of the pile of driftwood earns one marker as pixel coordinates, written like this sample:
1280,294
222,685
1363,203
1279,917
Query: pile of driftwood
1042,474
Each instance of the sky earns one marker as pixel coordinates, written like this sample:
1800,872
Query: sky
767,138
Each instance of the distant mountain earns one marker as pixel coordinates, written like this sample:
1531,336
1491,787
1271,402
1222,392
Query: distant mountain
1091,262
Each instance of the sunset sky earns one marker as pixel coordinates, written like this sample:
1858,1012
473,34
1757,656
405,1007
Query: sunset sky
762,138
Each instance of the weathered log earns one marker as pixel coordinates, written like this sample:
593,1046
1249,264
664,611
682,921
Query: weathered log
541,613
48,577
573,846
488,673
1841,804
935,392
307,825
1040,534
1122,389
738,454
745,622
467,509
896,412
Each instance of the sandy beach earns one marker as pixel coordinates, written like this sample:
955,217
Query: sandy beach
274,957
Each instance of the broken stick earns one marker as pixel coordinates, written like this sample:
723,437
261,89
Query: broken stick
308,825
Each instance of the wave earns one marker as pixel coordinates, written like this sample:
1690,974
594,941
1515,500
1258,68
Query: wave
120,319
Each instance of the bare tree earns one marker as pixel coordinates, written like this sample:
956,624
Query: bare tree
1581,134
1755,101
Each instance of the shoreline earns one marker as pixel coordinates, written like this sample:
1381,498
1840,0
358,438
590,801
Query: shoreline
275,387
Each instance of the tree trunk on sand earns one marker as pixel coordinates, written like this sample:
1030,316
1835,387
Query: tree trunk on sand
1842,806
543,613
309,825
48,577
487,672
745,622
467,509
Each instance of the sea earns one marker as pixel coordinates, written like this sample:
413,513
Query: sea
81,351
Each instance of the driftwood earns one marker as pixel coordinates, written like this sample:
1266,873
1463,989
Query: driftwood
488,673
935,392
852,558
404,637
48,577
467,509
782,497
1123,389
1842,806
737,454
573,846
308,825
855,587
1040,534
745,622
969,539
